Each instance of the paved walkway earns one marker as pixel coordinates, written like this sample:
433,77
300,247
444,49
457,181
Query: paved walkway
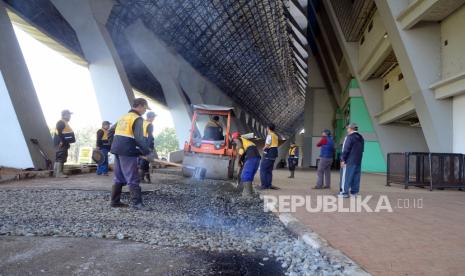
408,241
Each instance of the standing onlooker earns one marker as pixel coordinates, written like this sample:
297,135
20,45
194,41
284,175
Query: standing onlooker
293,159
144,165
326,144
351,161
64,136
270,152
103,145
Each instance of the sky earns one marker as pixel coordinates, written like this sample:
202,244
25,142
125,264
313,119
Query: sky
62,84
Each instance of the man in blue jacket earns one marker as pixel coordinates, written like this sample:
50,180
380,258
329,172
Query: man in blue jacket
351,161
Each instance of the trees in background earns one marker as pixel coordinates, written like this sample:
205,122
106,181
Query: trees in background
166,142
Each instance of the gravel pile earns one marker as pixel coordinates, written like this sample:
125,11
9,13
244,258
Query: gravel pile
208,215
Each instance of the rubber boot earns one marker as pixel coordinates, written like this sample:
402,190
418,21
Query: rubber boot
147,176
142,176
55,169
247,190
292,175
59,170
116,196
136,198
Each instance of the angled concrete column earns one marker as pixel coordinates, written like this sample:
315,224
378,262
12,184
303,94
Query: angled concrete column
164,65
22,117
392,138
283,151
418,52
112,88
308,127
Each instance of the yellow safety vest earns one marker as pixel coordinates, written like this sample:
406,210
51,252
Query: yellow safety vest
274,140
146,128
105,134
66,130
213,124
125,125
68,133
292,151
246,144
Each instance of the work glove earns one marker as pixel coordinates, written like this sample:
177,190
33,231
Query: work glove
150,156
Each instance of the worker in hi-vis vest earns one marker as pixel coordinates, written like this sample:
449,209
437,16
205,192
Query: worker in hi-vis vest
64,136
270,153
128,144
249,157
103,145
144,165
293,158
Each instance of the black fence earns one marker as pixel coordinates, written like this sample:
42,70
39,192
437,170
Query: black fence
422,169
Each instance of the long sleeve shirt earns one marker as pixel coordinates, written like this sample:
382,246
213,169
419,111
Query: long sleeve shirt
60,126
103,144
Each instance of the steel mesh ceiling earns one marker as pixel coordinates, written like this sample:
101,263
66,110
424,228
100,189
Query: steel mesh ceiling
241,46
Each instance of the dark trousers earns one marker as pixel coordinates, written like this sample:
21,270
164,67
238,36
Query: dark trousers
266,172
324,172
126,171
292,163
61,153
250,169
103,168
144,165
350,179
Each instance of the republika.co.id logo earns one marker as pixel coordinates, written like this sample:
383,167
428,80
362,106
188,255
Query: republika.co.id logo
332,204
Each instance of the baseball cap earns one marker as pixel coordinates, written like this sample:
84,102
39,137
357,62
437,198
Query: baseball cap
66,111
151,114
353,126
141,101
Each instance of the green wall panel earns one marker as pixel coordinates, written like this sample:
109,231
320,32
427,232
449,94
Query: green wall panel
373,160
359,114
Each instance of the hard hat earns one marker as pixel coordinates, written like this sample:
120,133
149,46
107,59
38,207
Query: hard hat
236,135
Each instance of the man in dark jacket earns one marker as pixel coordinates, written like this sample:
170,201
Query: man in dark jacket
103,145
128,144
63,137
351,161
326,146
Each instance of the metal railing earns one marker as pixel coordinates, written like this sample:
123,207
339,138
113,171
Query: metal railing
422,169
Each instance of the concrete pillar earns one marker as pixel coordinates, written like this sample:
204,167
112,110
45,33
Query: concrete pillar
418,52
112,88
308,127
182,84
22,118
163,63
392,138
283,151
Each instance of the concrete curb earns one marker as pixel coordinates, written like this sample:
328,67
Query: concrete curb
315,241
